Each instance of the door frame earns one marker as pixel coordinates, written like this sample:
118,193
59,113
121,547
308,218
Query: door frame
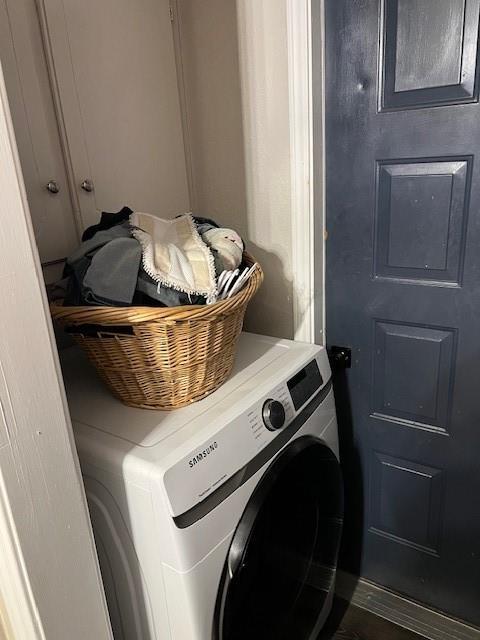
307,149
43,509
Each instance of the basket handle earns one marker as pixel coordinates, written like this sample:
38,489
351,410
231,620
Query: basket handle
99,331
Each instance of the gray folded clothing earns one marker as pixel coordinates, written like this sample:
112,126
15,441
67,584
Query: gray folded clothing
104,269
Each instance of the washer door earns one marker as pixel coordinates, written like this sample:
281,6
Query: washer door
281,563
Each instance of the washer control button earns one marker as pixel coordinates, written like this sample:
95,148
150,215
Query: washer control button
273,414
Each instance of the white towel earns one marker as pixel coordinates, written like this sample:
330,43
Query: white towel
174,254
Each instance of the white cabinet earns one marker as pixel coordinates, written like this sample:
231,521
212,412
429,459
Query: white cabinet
114,63
38,140
94,96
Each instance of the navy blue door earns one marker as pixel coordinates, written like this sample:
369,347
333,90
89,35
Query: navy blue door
403,290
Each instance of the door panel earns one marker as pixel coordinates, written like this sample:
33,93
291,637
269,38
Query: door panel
429,52
36,131
403,290
421,216
399,487
413,374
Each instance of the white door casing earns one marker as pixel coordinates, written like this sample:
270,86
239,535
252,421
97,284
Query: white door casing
50,583
305,61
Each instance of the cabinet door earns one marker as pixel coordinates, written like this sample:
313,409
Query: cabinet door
36,131
115,67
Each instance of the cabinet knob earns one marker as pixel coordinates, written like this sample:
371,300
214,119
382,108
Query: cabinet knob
87,185
52,186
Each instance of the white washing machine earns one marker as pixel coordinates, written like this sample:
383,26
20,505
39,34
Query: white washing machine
221,520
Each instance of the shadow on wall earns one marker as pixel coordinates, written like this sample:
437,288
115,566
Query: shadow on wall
271,311
235,81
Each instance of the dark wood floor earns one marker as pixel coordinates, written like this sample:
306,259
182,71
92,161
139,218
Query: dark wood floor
347,622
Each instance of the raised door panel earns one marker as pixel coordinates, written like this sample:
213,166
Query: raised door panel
413,374
115,65
36,131
429,55
400,488
421,220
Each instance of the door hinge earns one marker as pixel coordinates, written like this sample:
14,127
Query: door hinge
171,13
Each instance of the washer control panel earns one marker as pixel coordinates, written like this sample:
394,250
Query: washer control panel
270,416
213,461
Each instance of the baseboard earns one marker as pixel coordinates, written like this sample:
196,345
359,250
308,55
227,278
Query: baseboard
405,613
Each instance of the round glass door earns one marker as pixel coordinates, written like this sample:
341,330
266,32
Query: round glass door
281,563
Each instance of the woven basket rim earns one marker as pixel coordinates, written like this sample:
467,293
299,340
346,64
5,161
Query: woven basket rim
78,315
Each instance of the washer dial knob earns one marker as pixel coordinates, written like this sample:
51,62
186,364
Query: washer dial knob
273,414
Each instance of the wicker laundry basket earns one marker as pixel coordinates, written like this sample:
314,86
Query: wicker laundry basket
161,357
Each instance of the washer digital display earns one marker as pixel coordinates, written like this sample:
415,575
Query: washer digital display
304,384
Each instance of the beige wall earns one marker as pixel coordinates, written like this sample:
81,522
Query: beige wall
234,60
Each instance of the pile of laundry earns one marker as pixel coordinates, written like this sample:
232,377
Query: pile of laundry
131,258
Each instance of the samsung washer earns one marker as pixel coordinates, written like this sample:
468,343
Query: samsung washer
220,520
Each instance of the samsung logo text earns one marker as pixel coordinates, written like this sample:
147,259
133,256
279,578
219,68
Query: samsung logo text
201,455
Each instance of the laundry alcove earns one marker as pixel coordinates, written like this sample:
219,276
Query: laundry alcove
161,106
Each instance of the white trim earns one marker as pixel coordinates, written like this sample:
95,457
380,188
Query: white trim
301,150
307,151
318,152
321,237
17,606
54,588
405,613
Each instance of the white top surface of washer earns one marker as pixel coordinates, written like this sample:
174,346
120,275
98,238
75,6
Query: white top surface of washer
91,403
